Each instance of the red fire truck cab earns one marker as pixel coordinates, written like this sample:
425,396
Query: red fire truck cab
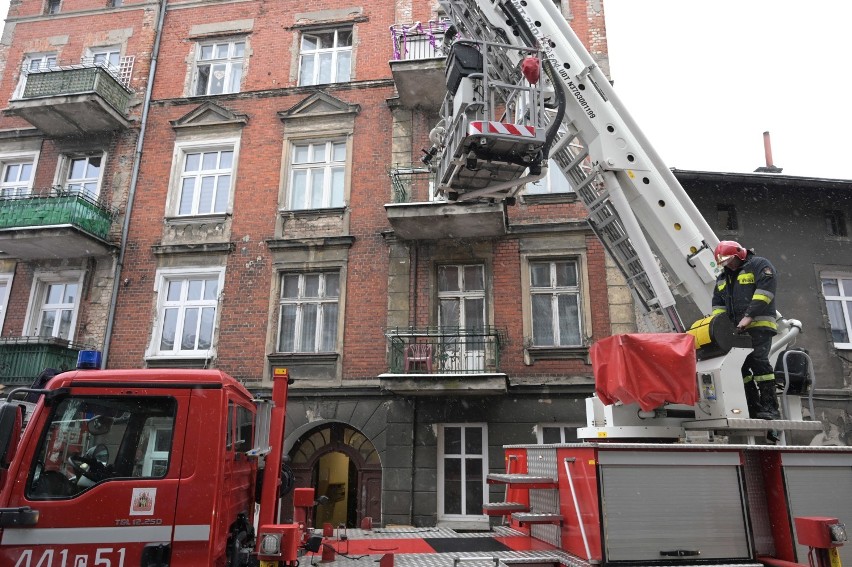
132,467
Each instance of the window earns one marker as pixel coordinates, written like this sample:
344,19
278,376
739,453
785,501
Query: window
325,57
55,304
554,182
550,433
463,454
83,175
5,289
837,290
726,217
91,440
309,311
835,223
17,177
240,428
205,181
461,305
219,67
555,297
109,57
34,63
317,175
187,312
53,6
40,62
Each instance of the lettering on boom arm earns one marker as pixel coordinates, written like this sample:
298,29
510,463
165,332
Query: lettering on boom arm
551,57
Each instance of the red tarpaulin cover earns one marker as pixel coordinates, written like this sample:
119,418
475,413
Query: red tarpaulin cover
648,369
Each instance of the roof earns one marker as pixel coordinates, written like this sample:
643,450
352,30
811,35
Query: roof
762,179
150,378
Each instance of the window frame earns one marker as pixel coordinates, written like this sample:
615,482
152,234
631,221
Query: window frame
328,166
52,7
317,53
228,61
42,281
66,165
14,158
49,60
836,225
845,299
92,54
442,457
161,281
5,293
549,185
730,215
555,293
300,301
184,148
62,437
562,426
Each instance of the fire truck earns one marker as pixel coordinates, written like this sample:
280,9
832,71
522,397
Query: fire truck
161,467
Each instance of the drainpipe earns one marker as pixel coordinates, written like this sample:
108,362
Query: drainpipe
134,180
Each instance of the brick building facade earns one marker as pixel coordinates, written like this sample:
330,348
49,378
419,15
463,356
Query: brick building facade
273,216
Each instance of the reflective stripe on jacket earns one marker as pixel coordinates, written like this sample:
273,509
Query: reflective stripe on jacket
748,292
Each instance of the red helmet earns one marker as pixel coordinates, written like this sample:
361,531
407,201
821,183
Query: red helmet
726,250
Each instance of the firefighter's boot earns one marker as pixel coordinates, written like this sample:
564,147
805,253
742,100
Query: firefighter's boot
768,400
752,398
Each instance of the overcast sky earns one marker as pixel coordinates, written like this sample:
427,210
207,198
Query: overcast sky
705,78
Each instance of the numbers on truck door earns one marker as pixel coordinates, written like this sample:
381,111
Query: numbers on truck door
101,557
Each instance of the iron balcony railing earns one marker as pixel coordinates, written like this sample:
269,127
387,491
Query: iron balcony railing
412,42
445,350
57,207
78,79
22,359
412,183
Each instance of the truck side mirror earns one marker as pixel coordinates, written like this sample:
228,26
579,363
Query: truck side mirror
11,424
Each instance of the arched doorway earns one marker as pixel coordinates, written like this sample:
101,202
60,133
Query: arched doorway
340,463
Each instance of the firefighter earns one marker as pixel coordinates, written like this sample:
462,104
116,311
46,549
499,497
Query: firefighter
745,291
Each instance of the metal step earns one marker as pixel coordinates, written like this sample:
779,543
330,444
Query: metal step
503,508
532,518
523,480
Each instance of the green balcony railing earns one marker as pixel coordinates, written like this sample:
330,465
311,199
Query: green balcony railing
78,79
22,359
57,208
445,350
413,183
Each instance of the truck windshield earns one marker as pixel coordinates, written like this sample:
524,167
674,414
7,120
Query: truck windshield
89,440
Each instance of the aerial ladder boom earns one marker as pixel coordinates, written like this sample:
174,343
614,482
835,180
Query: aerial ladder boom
502,125
637,208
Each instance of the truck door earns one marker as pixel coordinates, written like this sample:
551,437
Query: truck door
102,470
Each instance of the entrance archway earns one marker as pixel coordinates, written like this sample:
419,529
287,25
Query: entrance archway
340,463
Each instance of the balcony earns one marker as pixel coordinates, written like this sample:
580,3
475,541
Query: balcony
418,63
444,360
415,216
23,358
52,224
78,100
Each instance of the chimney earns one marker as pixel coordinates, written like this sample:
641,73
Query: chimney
767,149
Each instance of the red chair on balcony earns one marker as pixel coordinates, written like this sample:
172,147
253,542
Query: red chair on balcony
418,355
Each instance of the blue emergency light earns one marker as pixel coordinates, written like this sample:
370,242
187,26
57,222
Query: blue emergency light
89,359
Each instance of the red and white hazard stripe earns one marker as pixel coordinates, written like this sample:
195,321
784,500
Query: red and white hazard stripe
483,127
